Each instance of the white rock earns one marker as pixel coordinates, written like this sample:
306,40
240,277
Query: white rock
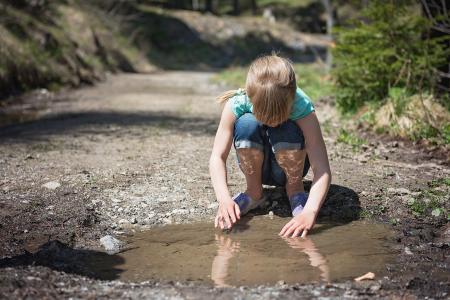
399,191
213,205
52,185
408,251
436,212
111,244
124,221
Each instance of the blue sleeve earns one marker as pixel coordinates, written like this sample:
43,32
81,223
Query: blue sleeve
302,105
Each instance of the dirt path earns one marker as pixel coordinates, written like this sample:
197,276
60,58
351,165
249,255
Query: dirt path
132,153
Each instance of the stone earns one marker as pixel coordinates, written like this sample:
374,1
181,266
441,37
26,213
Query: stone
398,191
436,212
111,244
408,251
52,185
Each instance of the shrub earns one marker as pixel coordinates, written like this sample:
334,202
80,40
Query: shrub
388,48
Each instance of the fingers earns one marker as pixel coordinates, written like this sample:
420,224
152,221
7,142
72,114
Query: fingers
286,227
305,232
216,221
231,213
237,210
297,231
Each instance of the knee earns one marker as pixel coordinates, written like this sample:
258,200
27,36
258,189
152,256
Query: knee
248,132
287,136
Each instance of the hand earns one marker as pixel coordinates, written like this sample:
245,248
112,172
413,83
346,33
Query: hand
227,214
303,222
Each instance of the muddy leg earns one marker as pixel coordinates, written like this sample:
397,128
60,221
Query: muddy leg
292,162
251,162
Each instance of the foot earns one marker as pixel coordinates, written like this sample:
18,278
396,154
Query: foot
298,202
246,203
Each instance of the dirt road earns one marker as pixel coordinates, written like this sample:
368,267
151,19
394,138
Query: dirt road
132,153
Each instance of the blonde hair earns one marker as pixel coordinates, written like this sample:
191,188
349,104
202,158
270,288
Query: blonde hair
271,86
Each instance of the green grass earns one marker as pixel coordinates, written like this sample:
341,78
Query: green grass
433,200
351,139
311,78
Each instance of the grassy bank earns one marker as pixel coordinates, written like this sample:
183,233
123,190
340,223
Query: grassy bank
59,44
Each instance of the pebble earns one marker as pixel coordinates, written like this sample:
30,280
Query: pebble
408,251
111,244
398,191
52,185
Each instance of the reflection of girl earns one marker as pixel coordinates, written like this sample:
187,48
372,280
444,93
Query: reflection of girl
227,249
315,258
275,131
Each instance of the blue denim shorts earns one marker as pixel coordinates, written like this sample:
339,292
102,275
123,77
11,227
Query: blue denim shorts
250,133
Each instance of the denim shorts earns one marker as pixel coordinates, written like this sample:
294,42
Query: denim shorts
250,133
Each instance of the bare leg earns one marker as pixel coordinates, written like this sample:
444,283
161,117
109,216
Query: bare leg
251,161
292,163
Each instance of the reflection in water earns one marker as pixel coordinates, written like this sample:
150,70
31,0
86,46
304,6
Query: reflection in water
227,248
252,253
306,245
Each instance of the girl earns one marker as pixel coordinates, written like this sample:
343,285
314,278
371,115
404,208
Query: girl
276,135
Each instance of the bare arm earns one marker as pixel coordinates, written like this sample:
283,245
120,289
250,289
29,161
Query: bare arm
318,157
317,153
228,212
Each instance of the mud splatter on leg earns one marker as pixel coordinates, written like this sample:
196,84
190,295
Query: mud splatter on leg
292,163
251,161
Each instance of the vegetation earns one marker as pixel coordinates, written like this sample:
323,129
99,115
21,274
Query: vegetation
351,139
51,43
386,65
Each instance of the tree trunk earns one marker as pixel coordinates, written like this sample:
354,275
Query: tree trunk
236,8
330,22
254,7
209,6
441,27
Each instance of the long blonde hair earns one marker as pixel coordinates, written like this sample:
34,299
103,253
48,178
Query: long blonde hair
271,86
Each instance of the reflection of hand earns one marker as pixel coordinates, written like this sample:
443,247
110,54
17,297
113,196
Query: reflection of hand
226,244
316,259
225,251
301,244
303,222
227,214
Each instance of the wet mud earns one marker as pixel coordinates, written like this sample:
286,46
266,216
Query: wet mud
252,253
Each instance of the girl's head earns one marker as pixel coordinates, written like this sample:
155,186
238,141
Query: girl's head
271,88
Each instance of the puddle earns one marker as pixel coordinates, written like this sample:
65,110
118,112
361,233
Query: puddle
254,254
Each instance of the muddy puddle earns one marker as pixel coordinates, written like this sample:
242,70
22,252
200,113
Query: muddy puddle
253,253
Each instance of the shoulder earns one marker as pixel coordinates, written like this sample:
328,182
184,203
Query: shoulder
239,103
302,105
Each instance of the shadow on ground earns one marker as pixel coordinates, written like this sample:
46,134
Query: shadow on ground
341,204
99,122
58,256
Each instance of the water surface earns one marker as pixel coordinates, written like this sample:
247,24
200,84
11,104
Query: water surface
253,253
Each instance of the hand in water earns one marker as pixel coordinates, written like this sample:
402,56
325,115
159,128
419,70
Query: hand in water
301,223
227,214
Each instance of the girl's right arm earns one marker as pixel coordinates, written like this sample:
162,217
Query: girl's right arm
228,212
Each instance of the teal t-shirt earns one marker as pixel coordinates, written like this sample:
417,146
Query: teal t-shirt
301,107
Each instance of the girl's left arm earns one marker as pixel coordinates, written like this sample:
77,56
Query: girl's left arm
317,154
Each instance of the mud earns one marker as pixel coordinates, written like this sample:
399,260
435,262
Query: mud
252,254
132,153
